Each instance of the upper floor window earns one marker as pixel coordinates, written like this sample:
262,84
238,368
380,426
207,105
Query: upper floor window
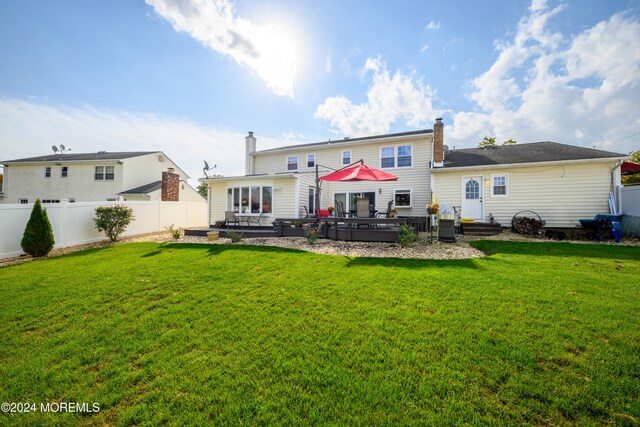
400,156
292,163
64,171
311,160
104,173
499,185
346,157
47,172
23,201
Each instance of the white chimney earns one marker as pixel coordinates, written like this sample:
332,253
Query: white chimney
249,149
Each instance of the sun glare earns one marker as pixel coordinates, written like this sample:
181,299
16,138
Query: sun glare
276,61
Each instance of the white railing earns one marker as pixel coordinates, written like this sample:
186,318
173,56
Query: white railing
72,223
630,197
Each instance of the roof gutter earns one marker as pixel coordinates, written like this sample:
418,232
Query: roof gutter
527,165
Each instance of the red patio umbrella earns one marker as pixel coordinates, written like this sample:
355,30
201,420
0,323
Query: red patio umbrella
359,172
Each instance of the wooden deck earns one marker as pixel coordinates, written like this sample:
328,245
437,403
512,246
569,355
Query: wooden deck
347,229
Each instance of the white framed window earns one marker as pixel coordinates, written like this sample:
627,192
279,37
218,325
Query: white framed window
500,185
250,200
312,200
311,160
23,201
64,171
387,157
47,201
111,199
47,172
346,157
104,173
403,198
292,163
399,156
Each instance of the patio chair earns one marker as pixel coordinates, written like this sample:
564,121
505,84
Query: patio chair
231,218
386,214
254,220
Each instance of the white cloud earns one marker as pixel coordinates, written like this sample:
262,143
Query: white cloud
30,128
432,26
544,85
424,48
265,50
389,98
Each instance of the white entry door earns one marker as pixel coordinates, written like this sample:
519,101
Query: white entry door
472,197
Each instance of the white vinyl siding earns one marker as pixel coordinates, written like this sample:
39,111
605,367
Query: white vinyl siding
561,195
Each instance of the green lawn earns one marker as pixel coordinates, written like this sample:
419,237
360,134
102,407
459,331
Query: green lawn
535,333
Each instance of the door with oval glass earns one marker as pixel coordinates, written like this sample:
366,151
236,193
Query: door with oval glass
472,197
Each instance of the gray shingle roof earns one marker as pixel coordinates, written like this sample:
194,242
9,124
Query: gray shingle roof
534,152
342,141
102,155
144,189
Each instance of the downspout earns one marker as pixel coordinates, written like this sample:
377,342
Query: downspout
615,189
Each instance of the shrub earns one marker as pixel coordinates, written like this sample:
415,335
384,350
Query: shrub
312,233
113,220
176,233
406,235
235,237
37,239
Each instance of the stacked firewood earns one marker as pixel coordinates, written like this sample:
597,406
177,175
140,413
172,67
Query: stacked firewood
526,225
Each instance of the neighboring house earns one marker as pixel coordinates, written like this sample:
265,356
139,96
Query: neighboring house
280,182
84,177
561,183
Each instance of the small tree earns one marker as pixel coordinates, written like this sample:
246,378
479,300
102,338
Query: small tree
113,220
487,141
37,239
203,189
510,142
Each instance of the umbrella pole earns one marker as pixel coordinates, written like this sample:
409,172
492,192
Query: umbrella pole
317,196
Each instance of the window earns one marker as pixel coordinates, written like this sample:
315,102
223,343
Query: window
400,156
23,201
472,190
312,200
104,173
46,201
402,198
64,171
499,186
250,200
292,163
311,160
47,172
72,199
404,156
387,159
346,157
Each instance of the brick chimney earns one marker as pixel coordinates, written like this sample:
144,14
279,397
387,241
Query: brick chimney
170,186
438,143
249,149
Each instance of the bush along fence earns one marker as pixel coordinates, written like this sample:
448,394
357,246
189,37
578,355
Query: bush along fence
73,223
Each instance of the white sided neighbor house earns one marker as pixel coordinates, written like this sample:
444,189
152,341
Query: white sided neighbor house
93,177
562,183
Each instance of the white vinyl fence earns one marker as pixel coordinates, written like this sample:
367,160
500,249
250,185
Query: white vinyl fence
72,223
630,197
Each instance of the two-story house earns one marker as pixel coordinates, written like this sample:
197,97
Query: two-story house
562,183
90,177
280,182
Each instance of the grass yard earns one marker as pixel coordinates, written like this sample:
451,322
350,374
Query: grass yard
535,333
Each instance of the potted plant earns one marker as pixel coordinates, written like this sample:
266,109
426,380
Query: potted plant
433,207
393,213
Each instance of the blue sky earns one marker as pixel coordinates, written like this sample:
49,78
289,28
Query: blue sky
190,78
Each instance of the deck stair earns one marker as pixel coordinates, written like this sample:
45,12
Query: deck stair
480,228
